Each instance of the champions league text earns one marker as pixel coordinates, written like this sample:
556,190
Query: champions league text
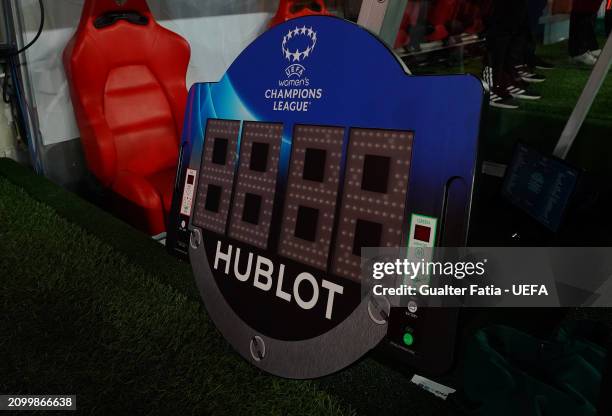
293,99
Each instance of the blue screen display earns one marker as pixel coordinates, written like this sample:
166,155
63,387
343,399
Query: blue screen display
539,185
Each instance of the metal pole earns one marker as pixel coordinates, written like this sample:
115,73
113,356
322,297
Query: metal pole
393,20
596,80
4,29
26,94
372,14
382,17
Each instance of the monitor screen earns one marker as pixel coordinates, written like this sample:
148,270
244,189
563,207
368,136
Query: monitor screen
539,185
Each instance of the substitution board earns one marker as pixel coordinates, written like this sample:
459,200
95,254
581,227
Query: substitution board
314,144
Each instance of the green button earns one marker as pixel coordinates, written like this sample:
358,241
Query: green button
408,339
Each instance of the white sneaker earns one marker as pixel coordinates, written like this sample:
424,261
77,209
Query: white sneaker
586,58
595,53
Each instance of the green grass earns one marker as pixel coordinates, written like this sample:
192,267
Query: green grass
93,307
565,83
79,317
123,238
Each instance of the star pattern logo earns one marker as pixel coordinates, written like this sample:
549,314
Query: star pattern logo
298,55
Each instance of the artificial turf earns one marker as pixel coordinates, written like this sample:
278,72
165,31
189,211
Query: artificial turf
90,306
79,317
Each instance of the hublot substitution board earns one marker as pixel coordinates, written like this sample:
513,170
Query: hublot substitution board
315,144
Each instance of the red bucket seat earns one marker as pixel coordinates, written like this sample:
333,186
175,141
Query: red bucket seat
291,9
412,13
441,15
127,81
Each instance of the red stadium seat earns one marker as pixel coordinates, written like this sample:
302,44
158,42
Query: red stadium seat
441,14
290,9
127,81
444,18
410,20
471,14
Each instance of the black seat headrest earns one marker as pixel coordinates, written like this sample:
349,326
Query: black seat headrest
110,18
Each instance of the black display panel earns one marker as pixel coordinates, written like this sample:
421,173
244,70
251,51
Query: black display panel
541,186
312,193
214,189
374,198
256,183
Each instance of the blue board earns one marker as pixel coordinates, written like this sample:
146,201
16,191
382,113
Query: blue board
324,112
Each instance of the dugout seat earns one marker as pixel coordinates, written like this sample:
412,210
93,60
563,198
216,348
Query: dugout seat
127,81
291,9
440,19
410,21
441,16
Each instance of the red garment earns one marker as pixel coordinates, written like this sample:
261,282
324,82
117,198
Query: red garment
586,6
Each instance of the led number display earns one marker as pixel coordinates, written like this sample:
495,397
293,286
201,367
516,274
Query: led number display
256,184
216,175
372,206
312,192
374,196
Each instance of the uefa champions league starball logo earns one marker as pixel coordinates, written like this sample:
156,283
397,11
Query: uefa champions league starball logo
298,55
294,50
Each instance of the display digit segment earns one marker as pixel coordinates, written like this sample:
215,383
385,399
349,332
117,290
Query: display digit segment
374,200
216,175
256,184
310,203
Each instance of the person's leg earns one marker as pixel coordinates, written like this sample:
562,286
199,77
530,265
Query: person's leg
521,35
506,28
582,27
498,37
515,59
591,37
535,8
576,43
530,48
502,29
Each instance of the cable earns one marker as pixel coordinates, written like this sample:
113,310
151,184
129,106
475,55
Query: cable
5,85
40,30
6,57
10,88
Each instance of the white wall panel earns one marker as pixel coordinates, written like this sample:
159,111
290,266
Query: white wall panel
217,30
